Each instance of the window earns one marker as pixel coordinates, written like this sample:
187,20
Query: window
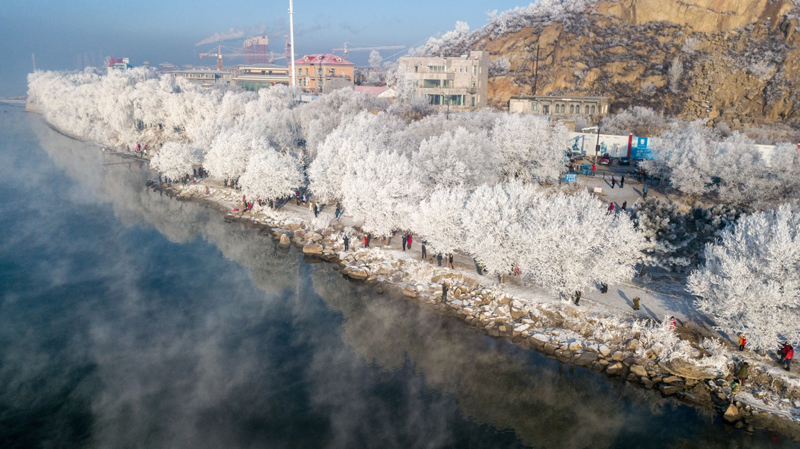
535,107
473,101
300,71
587,109
437,68
592,109
428,84
572,109
474,70
331,72
545,109
447,84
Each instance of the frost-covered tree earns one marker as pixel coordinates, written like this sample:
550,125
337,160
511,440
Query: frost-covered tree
438,219
375,59
751,279
382,191
499,67
529,148
452,43
270,174
637,120
546,236
229,153
176,159
675,239
461,157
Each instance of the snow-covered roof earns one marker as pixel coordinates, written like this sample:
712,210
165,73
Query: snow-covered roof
324,59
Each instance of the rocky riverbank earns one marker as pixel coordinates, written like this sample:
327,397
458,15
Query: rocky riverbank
680,362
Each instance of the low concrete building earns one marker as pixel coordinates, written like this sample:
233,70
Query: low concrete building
566,106
460,82
205,78
260,76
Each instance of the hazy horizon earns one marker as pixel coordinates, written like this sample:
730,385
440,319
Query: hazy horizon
72,35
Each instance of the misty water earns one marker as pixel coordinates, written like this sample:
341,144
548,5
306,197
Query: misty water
130,319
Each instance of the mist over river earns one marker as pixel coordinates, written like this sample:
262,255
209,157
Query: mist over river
131,319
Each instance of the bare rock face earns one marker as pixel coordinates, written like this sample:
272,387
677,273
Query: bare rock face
736,62
313,249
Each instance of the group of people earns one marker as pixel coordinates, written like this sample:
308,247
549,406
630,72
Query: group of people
612,207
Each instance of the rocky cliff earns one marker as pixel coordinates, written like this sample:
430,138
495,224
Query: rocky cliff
730,61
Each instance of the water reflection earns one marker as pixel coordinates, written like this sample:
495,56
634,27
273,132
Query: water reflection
130,319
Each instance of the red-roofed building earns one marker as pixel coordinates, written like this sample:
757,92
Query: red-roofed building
314,71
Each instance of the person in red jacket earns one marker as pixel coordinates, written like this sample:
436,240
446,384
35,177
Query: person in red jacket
409,240
787,360
742,342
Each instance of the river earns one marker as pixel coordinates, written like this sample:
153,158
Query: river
130,319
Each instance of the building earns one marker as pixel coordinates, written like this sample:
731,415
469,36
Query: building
260,76
205,78
118,64
256,50
458,81
314,71
562,107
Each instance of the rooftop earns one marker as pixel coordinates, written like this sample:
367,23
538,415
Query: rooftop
324,59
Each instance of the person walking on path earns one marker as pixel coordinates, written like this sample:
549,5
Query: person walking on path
316,210
577,297
644,191
673,323
613,181
611,207
787,360
424,251
743,372
742,341
624,206
450,259
409,241
622,182
444,292
404,241
366,241
636,301
346,242
784,350
593,169
439,258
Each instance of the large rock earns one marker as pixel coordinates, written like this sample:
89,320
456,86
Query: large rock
604,351
731,414
586,359
668,390
687,369
639,370
614,369
313,249
356,272
284,241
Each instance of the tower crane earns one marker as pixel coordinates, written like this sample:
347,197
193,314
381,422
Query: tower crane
385,47
219,56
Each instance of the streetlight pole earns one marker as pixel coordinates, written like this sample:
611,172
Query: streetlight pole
597,146
291,34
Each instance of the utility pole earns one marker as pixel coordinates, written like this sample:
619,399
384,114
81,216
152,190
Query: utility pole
33,58
535,69
597,146
291,33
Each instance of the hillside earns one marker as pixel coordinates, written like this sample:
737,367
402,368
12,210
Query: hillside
732,61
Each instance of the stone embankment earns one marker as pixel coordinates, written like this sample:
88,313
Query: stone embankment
602,343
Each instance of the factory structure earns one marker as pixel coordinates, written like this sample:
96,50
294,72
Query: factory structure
256,50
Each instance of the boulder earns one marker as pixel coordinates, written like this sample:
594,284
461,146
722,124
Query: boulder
549,348
313,249
284,241
613,369
639,370
672,380
586,359
604,351
356,272
618,356
731,414
575,346
668,390
688,370
632,345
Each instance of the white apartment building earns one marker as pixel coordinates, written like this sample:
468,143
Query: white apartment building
460,82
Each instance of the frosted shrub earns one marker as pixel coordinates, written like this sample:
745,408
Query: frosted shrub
499,67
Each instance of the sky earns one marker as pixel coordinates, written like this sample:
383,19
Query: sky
65,35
